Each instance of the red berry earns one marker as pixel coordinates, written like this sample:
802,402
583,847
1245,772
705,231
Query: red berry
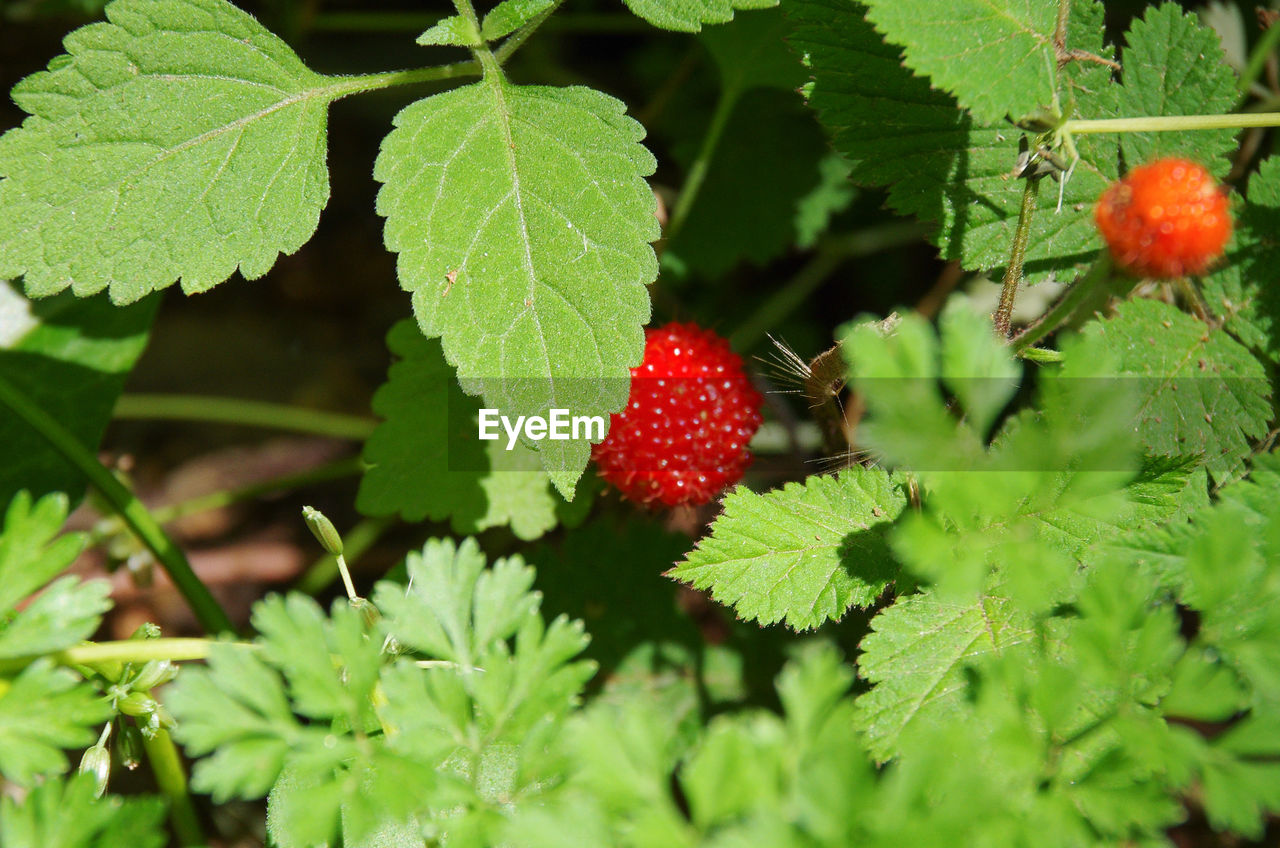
1165,219
683,435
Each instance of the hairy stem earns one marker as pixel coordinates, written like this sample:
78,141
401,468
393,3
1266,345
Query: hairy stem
513,42
171,778
1173,123
244,413
344,86
1013,273
170,556
1066,306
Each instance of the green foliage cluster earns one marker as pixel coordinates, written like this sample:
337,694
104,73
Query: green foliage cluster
1065,561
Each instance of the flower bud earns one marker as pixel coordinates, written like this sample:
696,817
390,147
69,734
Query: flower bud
137,704
324,531
129,744
97,762
153,674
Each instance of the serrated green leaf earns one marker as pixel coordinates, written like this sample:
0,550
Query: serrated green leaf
996,56
181,140
941,164
509,15
832,195
1175,66
453,31
523,225
62,615
42,711
71,357
66,612
690,15
426,461
802,554
58,814
1199,391
916,655
1242,290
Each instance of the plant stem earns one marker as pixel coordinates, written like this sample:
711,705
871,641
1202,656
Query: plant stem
1258,58
244,413
830,254
513,42
172,781
347,85
354,543
1080,290
698,172
206,608
606,23
1172,123
1013,273
125,651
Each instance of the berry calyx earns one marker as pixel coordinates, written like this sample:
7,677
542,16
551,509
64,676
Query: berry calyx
683,435
1165,219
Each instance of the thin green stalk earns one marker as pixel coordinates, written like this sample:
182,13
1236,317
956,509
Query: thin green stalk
354,543
125,651
1013,273
517,38
831,253
1066,306
1258,58
698,172
210,615
171,778
244,413
347,85
1172,123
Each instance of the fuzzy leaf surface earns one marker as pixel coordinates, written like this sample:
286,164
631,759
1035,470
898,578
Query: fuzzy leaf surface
802,554
522,222
916,656
995,56
181,140
941,163
1173,65
690,15
44,710
426,461
71,356
1200,391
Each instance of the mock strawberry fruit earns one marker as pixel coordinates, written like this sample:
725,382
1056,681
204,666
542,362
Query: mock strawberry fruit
1165,219
683,435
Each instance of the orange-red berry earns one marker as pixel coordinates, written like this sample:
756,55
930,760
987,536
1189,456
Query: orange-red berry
683,434
1165,219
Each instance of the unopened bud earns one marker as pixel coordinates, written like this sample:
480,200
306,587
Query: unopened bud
137,704
153,673
97,762
324,531
129,744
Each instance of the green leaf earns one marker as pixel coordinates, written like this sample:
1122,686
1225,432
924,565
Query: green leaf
426,461
1175,66
71,357
454,31
42,711
523,223
802,554
690,15
916,656
509,15
1199,391
180,140
996,56
1241,778
750,53
1241,291
58,814
942,164
66,612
